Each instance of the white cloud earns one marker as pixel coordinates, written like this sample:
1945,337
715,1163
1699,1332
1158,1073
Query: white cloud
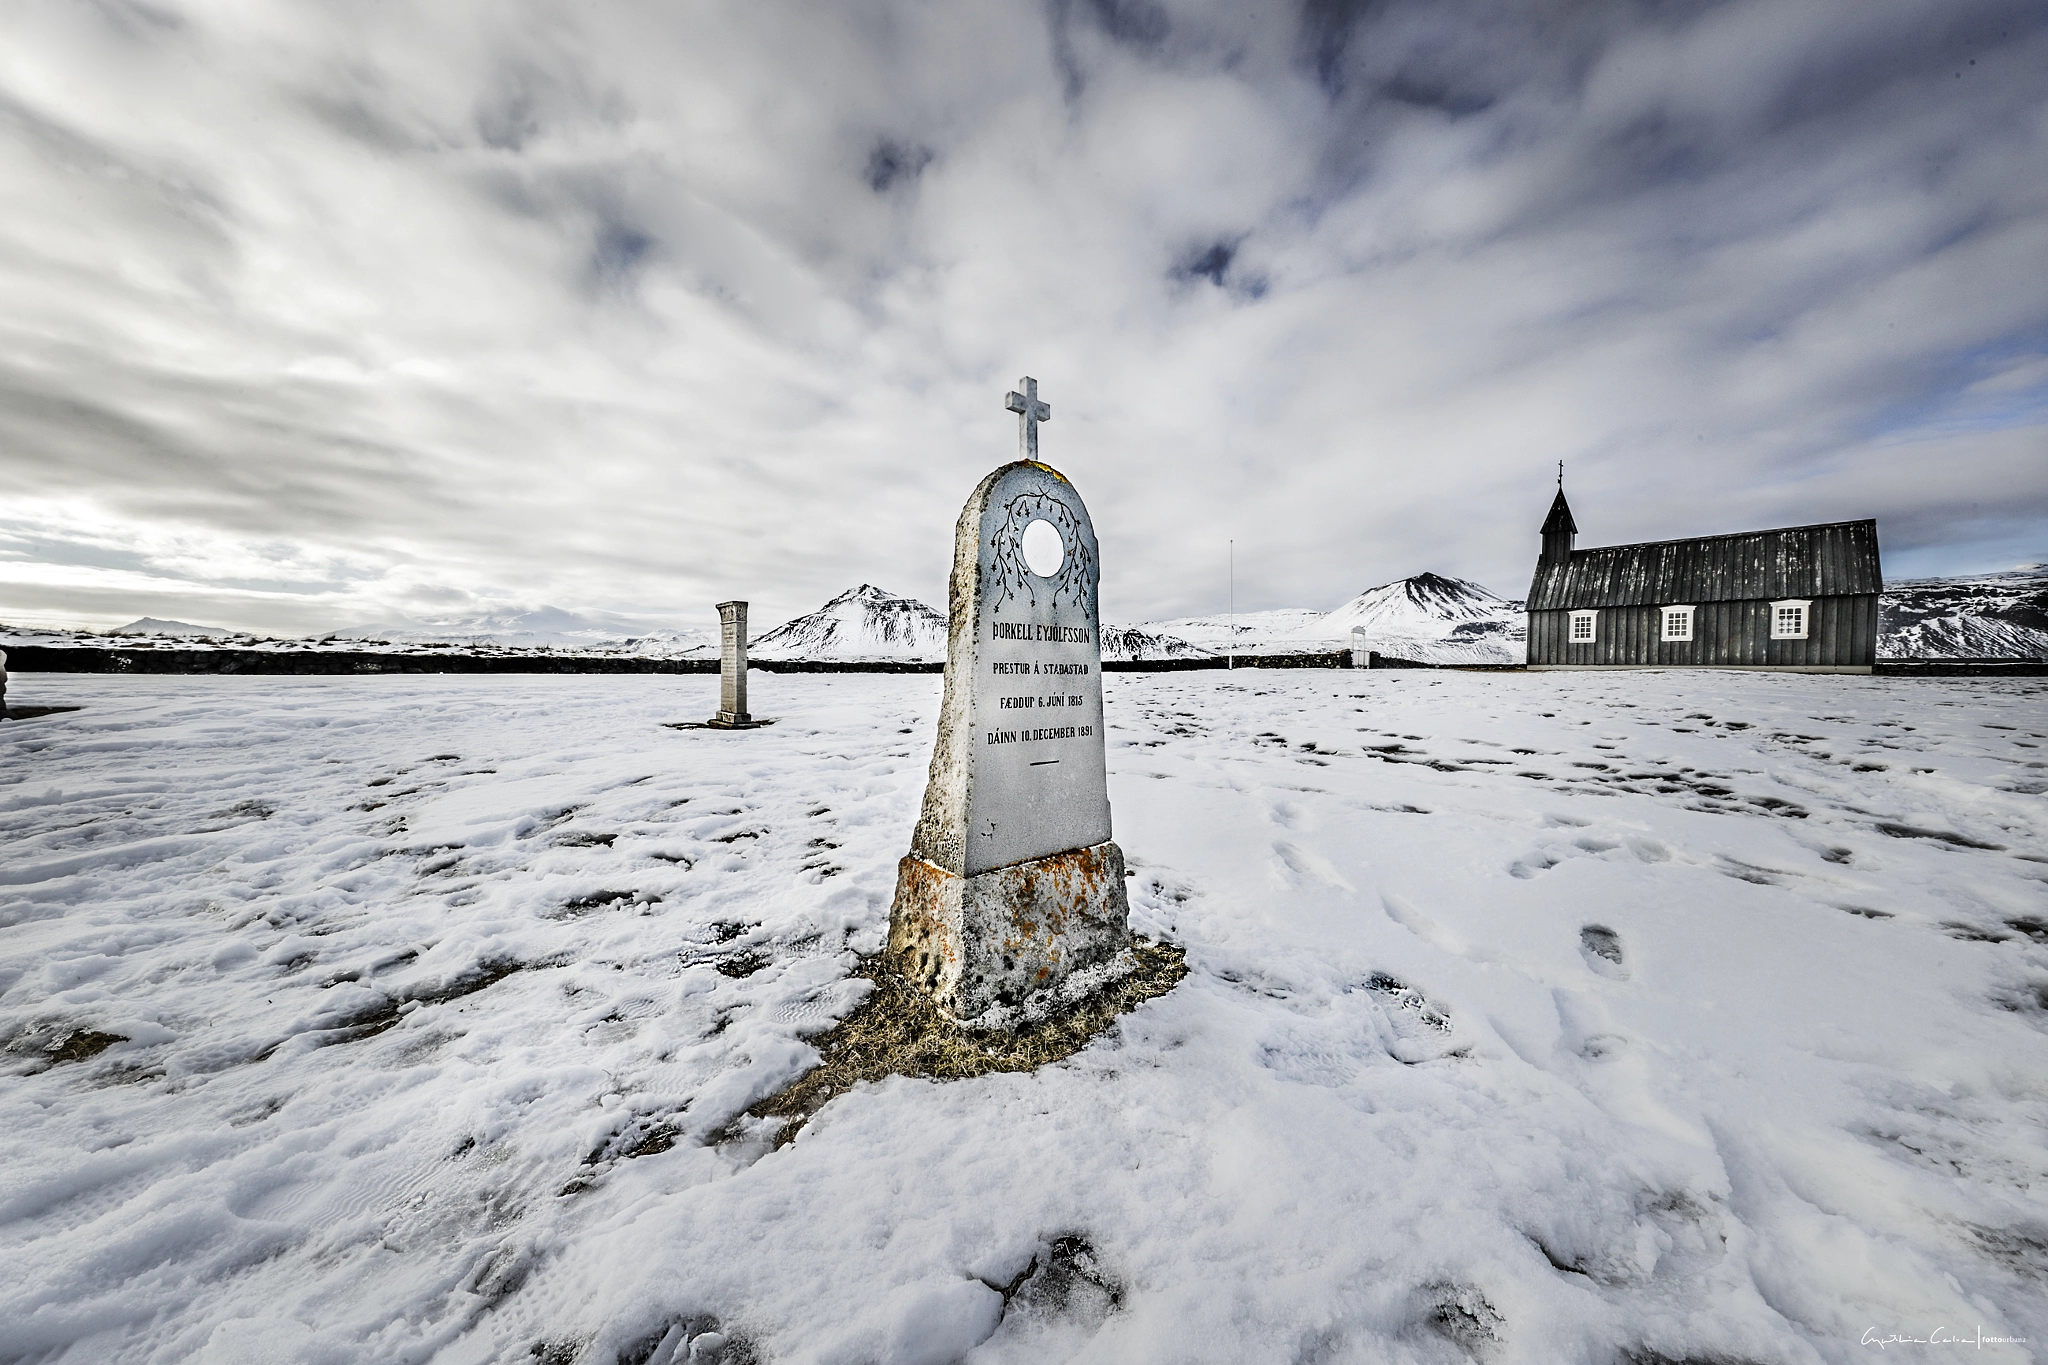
636,308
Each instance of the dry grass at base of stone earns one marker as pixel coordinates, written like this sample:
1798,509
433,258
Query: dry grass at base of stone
41,1047
898,1031
82,1044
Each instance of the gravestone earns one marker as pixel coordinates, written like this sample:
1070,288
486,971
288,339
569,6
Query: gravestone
1361,657
732,668
1012,883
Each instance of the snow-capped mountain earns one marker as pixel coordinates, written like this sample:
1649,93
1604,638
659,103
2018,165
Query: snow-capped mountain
1131,642
1428,618
542,627
150,625
1268,631
1989,616
867,623
1432,619
861,623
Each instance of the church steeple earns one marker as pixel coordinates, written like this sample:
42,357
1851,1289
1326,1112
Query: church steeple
1559,530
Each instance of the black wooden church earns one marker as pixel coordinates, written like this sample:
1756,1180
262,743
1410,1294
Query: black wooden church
1802,598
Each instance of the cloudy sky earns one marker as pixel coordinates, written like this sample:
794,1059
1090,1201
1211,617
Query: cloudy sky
319,315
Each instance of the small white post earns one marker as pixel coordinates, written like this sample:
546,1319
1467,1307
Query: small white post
1361,657
1231,648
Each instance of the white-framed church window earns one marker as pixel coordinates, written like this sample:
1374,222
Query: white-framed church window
1677,623
1788,618
1584,627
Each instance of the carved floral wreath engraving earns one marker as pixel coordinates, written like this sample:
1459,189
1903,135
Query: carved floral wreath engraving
1012,577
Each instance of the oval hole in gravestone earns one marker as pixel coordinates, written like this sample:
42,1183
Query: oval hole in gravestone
1044,551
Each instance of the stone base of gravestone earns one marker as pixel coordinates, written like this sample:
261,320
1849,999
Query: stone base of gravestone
991,940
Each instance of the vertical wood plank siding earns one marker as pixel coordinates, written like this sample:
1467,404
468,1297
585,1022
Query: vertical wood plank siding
1730,581
1840,632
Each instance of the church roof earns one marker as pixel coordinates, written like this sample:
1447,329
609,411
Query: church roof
1560,518
1835,559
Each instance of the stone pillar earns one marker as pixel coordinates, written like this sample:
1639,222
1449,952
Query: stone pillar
1012,883
732,667
1361,657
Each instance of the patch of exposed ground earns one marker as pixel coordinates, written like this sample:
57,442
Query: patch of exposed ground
898,1031
79,1045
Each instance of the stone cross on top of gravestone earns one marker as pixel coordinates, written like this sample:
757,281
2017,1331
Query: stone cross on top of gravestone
1012,883
1030,412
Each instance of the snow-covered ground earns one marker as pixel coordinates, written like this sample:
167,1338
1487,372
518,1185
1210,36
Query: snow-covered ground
1531,1017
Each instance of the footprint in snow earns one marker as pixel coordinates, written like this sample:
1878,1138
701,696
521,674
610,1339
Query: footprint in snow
1643,850
1585,1028
1302,865
698,1339
1461,1315
1601,947
1413,1029
1066,1280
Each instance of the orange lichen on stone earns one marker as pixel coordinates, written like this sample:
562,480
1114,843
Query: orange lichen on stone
991,939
